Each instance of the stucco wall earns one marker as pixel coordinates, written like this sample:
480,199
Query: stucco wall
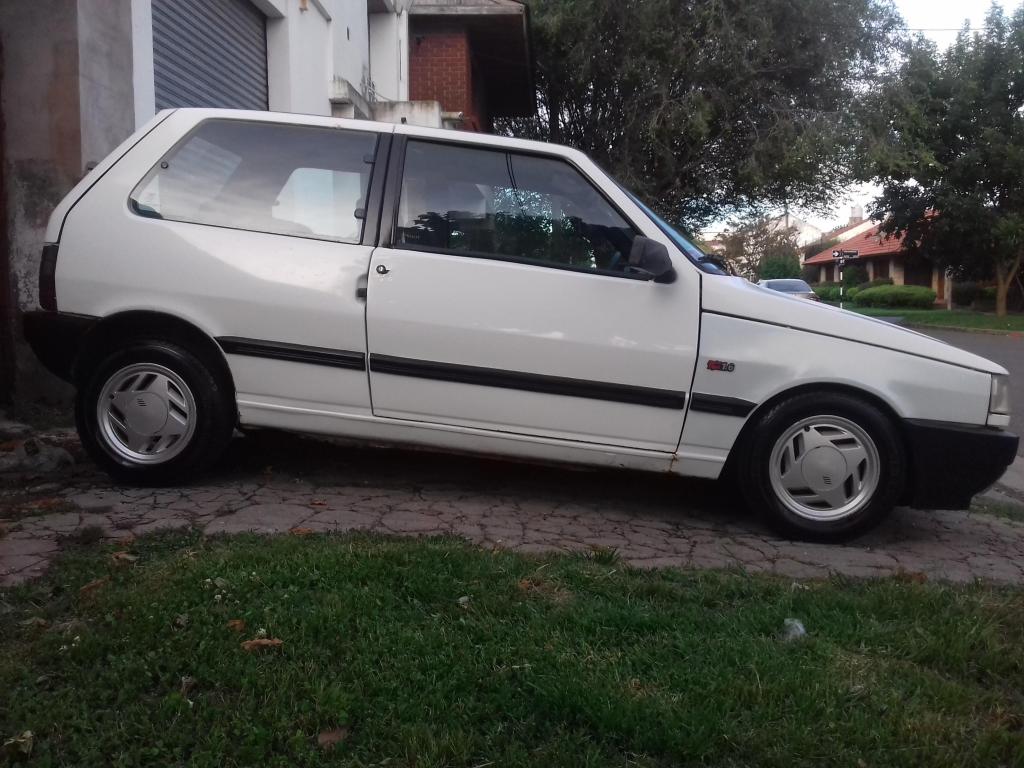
389,55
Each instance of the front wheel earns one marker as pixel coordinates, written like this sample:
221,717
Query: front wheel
153,412
825,466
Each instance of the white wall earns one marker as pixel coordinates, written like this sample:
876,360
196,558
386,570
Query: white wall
389,55
351,42
298,55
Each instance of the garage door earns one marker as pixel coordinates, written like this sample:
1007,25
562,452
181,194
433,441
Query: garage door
209,53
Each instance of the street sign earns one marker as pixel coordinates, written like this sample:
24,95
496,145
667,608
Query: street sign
845,254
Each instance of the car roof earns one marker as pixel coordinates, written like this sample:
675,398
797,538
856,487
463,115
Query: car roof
404,129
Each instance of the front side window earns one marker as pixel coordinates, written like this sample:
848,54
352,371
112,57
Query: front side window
282,179
486,202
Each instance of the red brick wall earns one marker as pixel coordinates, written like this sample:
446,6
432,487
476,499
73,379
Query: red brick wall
441,69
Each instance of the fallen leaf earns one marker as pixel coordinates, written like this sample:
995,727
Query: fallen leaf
318,503
327,739
463,601
220,583
92,586
123,558
19,745
35,621
187,684
237,625
127,540
261,642
181,621
301,531
9,445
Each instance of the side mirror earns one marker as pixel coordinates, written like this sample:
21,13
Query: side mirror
650,260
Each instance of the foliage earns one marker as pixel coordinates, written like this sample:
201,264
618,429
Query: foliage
947,142
779,266
896,296
815,248
827,291
810,272
752,246
429,652
854,274
965,293
957,318
876,282
706,109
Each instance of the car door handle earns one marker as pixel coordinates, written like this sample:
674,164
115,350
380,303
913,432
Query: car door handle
382,270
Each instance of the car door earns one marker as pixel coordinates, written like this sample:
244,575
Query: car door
265,225
500,299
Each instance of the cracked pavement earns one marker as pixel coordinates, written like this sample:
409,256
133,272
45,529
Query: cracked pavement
275,483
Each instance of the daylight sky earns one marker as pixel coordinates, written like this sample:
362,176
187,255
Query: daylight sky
940,20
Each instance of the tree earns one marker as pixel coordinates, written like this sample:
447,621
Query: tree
947,143
707,108
760,249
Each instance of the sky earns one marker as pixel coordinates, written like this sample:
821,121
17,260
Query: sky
940,20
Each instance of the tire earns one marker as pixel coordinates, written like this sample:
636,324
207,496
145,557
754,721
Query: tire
154,413
823,466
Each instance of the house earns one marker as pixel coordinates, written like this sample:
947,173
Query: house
882,255
78,76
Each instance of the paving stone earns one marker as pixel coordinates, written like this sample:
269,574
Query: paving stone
261,518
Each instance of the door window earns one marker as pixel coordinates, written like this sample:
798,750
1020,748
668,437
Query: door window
503,205
283,179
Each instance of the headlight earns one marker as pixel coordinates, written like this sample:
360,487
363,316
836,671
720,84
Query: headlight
999,400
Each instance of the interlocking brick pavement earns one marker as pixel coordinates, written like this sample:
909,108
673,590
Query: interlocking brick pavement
271,483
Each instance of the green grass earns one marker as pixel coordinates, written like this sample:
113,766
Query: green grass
1009,510
957,318
557,661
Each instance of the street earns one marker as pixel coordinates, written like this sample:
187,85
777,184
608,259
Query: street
1007,350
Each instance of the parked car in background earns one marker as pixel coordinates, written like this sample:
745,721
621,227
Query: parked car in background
790,286
475,293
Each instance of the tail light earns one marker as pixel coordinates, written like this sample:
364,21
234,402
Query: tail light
48,278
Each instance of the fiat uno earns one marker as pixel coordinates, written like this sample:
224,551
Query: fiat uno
467,292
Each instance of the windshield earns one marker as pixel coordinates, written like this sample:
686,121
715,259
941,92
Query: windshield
788,286
692,252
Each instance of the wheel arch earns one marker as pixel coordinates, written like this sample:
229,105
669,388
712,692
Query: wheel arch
822,388
114,330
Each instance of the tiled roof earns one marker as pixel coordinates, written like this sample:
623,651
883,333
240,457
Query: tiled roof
871,244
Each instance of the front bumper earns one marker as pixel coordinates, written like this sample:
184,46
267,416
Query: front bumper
56,338
950,463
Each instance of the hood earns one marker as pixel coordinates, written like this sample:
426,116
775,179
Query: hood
741,298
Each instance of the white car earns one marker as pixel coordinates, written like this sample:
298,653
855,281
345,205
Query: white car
475,293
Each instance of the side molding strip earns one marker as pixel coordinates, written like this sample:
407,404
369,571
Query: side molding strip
724,406
295,353
528,382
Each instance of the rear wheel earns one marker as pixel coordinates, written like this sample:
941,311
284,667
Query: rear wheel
154,412
823,466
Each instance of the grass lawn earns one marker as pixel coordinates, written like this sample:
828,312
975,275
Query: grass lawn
957,318
431,653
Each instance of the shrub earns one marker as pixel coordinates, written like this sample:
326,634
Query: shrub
964,294
779,266
896,296
851,292
827,291
854,274
876,282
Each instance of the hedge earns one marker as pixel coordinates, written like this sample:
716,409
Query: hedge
827,291
896,296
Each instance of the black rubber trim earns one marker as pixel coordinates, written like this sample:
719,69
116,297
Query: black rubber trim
528,382
950,463
392,190
294,353
375,191
724,406
843,338
56,338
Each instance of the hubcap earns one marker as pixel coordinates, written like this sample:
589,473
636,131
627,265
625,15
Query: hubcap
824,468
146,413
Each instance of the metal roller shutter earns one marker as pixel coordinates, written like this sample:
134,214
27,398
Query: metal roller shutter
209,53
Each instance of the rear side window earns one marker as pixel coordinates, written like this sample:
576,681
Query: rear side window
282,179
490,203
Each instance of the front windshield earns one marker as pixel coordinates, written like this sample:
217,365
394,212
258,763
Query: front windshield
692,252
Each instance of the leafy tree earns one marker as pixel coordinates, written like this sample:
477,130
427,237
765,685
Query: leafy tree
947,143
710,108
775,267
760,248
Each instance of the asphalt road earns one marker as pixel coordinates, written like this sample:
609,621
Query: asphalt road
1008,351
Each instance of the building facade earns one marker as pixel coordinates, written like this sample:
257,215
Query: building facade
77,77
